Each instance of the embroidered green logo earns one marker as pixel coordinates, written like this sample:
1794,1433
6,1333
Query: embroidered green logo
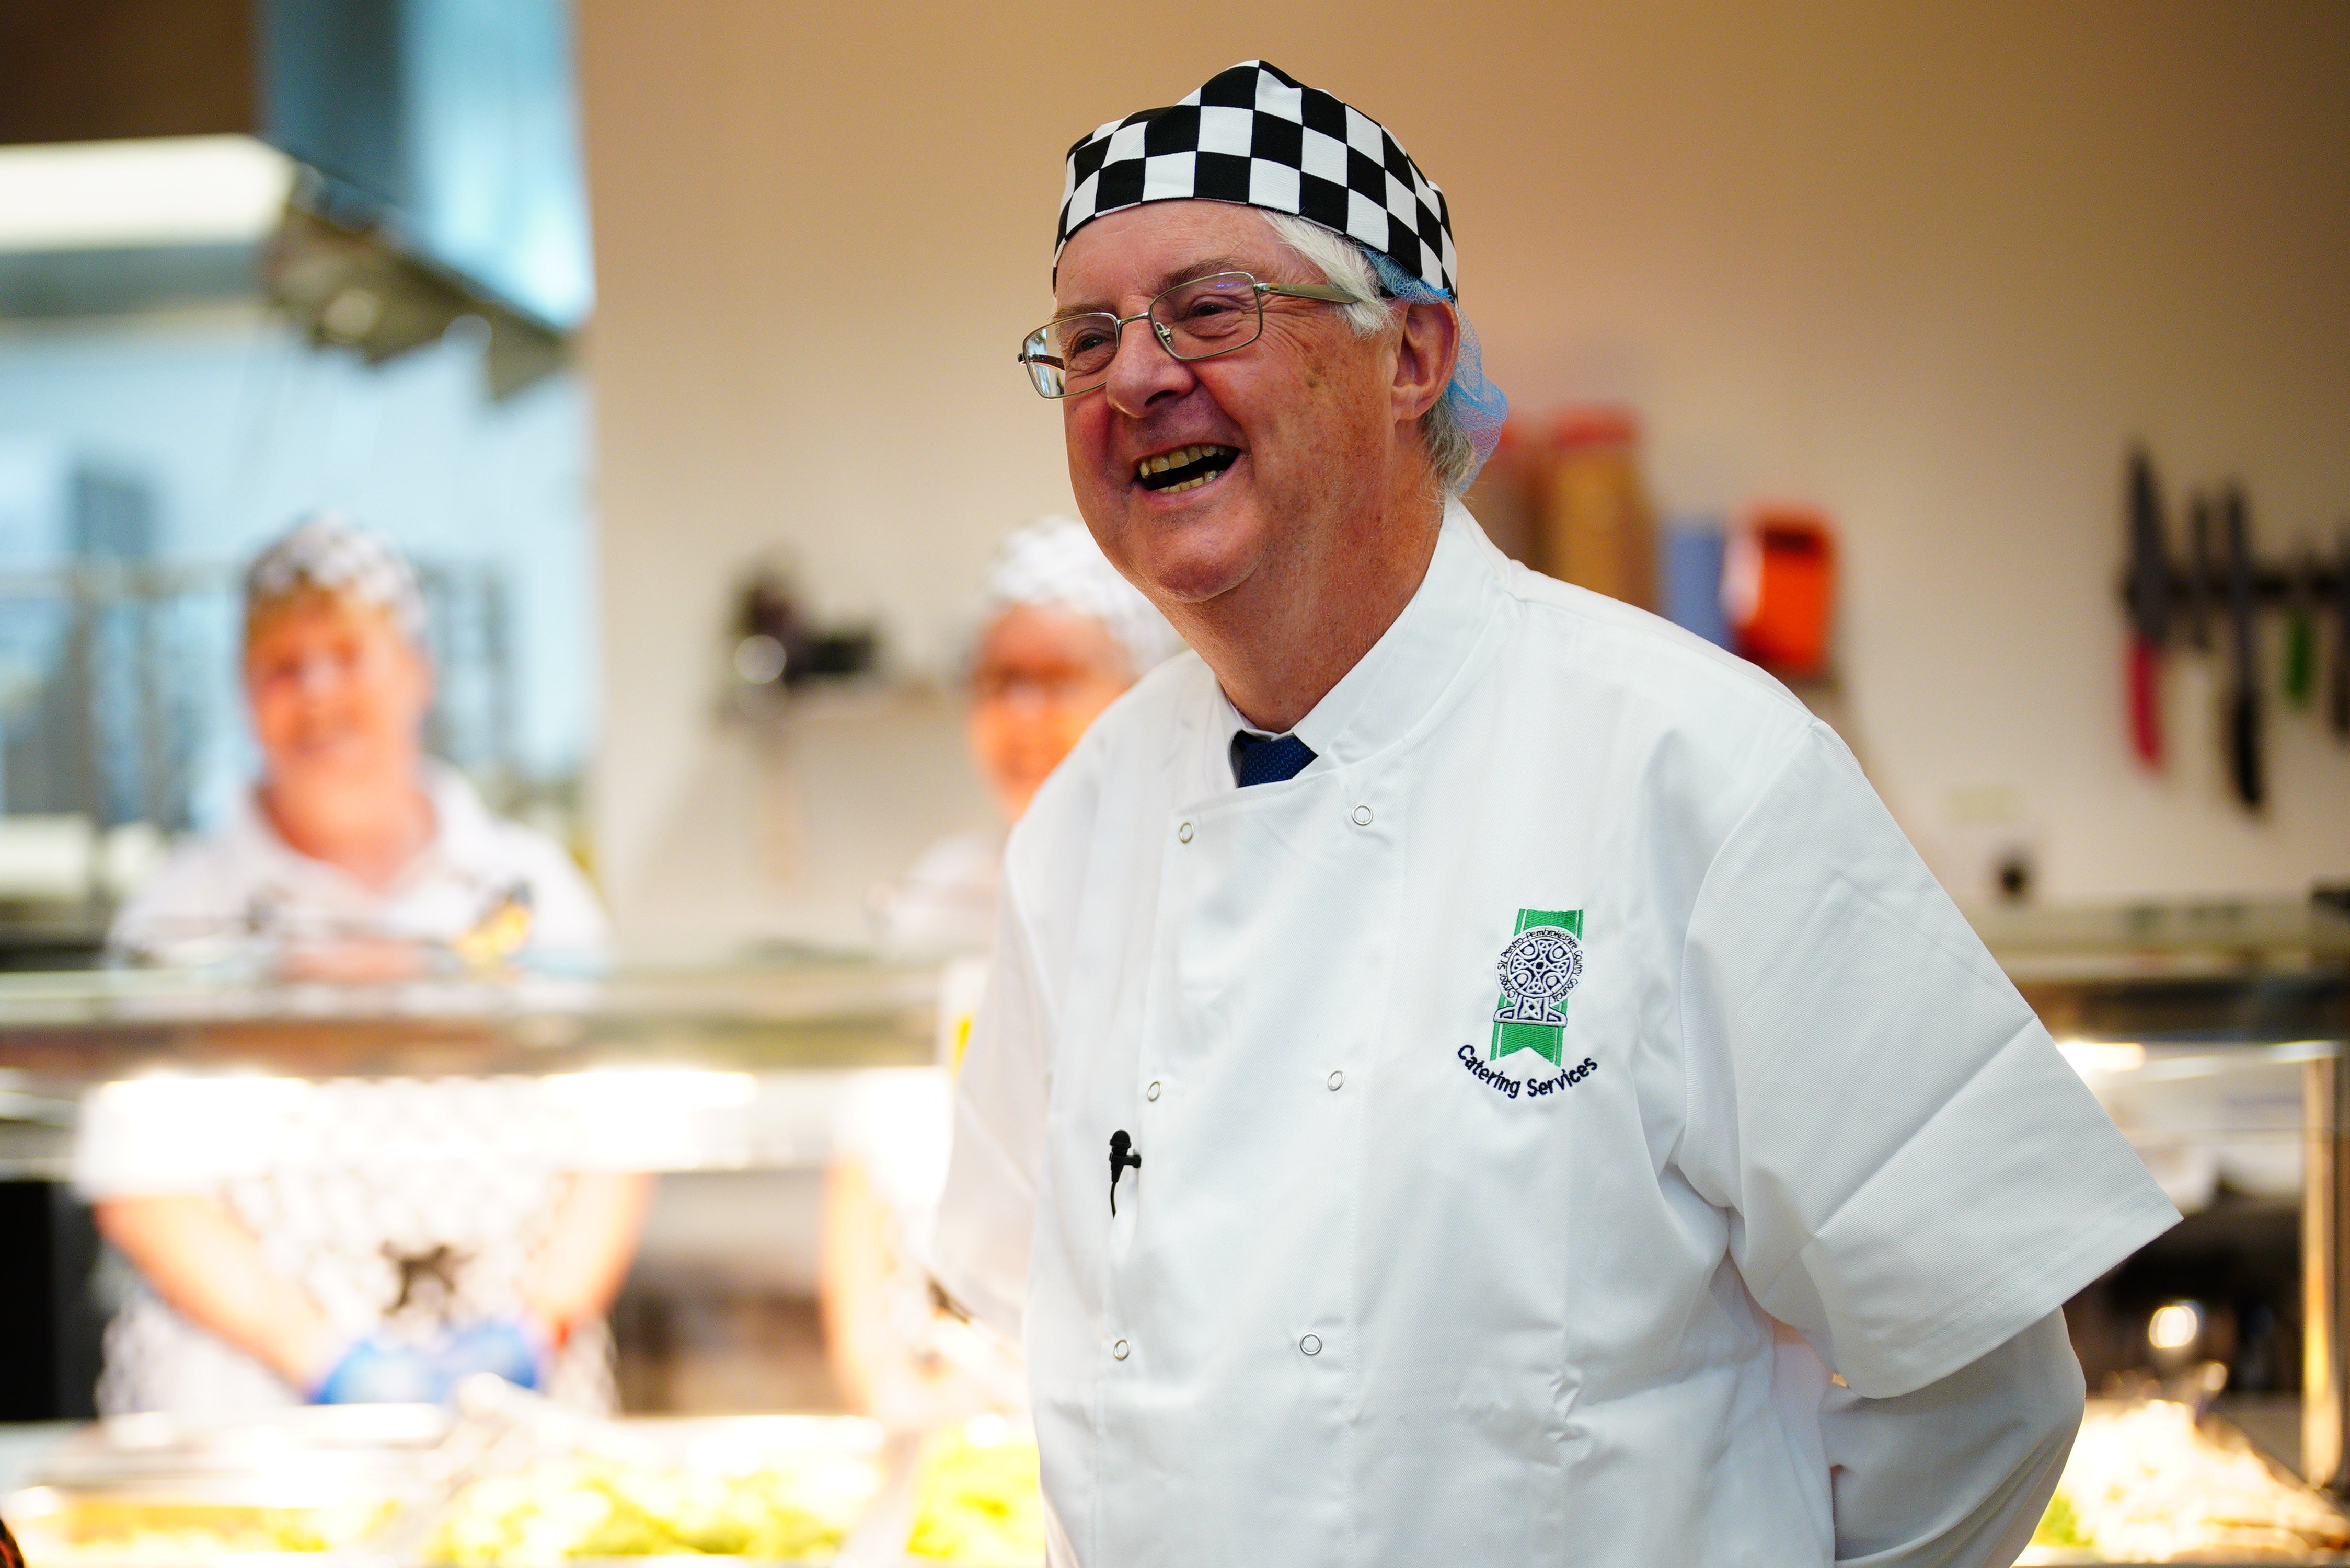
1539,967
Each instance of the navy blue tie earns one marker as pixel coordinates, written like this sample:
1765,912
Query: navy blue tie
1267,759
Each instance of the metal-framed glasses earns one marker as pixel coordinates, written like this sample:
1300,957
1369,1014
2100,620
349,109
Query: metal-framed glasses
1195,320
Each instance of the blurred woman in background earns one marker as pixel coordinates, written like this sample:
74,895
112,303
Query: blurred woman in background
1062,637
356,855
354,1240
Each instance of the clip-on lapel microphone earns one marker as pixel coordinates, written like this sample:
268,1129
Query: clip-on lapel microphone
1121,1156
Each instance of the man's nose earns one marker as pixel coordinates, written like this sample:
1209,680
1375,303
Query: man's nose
1144,371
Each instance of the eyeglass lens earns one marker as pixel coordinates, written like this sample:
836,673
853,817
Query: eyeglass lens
1194,321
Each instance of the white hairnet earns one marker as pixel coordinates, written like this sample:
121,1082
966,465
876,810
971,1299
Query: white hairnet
1055,563
328,551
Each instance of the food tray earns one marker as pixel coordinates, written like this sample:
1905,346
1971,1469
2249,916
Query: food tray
317,1486
2161,1480
925,1477
527,1481
395,1487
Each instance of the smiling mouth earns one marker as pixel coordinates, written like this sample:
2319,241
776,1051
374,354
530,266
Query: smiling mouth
1185,468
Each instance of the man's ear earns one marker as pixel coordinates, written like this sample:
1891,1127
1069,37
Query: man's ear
1426,351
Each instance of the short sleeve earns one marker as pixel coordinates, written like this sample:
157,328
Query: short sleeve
987,1216
1913,1173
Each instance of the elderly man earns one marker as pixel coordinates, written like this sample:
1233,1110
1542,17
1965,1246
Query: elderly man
1473,1075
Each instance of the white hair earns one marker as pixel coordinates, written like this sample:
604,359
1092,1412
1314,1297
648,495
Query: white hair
1342,265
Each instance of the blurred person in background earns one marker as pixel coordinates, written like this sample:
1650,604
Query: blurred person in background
1062,637
354,1241
356,855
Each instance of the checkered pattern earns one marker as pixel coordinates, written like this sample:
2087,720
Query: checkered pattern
328,551
1256,136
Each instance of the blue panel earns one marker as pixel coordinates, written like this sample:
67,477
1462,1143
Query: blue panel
334,95
493,144
452,123
1693,550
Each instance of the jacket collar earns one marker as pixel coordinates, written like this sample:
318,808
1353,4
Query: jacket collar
1392,688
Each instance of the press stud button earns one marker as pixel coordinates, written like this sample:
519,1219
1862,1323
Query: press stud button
1362,816
1183,833
1151,1093
1337,1079
1310,1345
1118,1351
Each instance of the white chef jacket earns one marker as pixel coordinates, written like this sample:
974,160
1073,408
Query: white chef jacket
245,883
1376,1295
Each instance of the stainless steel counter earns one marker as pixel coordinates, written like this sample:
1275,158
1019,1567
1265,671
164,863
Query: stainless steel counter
790,1013
786,1027
2257,982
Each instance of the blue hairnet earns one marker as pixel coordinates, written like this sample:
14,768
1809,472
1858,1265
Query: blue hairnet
1476,402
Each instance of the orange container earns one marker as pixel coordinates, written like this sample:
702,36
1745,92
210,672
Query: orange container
1778,589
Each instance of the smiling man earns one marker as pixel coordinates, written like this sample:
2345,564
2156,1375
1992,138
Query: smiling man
1472,1073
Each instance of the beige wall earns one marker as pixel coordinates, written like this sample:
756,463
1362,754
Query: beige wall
1927,266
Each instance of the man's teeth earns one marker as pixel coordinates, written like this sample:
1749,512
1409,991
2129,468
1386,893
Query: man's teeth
1179,457
1187,467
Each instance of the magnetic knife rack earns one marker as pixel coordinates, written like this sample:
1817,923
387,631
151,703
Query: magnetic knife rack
2167,603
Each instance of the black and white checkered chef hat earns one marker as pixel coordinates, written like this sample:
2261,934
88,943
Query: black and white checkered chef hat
327,550
1256,136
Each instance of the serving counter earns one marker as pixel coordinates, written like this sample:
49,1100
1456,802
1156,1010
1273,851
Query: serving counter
747,1013
777,1027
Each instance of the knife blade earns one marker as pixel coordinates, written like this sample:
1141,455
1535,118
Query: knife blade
2149,610
2244,757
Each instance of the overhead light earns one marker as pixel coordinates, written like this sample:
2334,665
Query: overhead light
2174,1326
160,190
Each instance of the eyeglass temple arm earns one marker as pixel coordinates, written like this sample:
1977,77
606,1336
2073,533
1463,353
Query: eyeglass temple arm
1325,291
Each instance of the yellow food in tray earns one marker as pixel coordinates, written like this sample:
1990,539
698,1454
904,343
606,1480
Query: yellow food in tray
110,1531
564,1509
2145,1483
977,1502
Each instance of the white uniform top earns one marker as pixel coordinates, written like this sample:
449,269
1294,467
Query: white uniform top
245,883
1376,1295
